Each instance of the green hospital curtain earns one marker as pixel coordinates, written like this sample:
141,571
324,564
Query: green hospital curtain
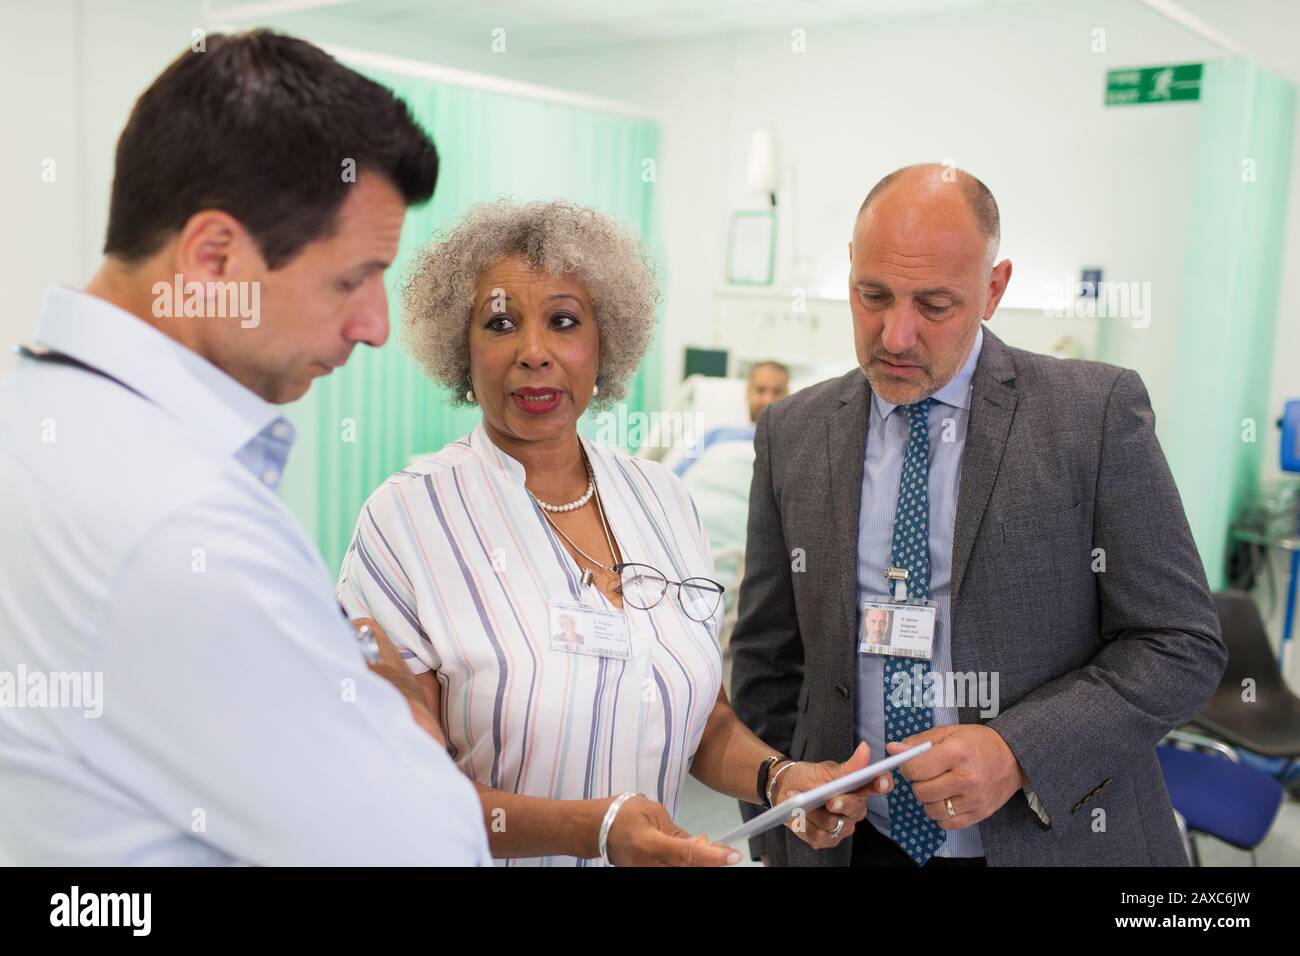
1229,304
359,425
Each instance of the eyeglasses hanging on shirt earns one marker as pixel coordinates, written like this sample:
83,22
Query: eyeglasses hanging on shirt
641,585
645,586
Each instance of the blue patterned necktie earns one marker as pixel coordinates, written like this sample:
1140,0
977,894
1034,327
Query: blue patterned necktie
909,827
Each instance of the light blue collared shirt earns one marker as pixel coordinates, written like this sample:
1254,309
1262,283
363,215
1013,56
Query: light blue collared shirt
886,443
213,706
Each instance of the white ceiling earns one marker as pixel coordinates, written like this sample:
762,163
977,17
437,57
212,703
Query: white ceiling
552,26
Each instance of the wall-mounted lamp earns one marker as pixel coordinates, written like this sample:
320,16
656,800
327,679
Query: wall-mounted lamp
762,175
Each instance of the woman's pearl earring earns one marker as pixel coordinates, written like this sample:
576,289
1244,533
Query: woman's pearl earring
595,390
469,396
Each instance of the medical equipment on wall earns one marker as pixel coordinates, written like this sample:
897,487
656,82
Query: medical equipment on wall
1269,518
1290,425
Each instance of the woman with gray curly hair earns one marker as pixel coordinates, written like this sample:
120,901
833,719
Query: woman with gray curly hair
554,599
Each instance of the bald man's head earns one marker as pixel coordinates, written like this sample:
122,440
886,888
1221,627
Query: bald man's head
768,382
922,277
938,176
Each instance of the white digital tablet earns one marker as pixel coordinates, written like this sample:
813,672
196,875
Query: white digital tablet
811,799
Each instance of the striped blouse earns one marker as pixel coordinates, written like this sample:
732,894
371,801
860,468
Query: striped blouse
455,561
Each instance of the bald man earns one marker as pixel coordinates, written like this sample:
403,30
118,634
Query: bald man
1018,514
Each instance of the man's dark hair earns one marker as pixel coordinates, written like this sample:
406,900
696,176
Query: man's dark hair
260,126
978,196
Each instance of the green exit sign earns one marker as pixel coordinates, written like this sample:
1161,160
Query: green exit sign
1153,84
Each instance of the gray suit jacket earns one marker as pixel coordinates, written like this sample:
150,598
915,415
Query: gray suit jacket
1061,458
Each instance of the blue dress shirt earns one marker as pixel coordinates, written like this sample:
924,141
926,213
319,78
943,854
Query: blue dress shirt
148,564
886,443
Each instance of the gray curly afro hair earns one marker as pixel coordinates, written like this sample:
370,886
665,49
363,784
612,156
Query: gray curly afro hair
560,238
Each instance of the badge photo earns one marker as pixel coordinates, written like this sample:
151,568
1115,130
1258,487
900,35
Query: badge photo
900,629
582,629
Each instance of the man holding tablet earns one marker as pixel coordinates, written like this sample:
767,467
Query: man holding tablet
1014,515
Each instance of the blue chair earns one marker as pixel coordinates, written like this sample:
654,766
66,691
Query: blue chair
1214,794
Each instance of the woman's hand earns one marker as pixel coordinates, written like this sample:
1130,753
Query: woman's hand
818,828
644,834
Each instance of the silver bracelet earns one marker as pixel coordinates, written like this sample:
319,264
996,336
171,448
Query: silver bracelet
607,823
771,783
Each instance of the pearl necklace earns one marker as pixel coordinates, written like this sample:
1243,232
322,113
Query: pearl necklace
587,574
572,505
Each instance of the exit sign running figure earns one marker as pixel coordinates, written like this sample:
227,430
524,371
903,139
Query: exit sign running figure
1153,84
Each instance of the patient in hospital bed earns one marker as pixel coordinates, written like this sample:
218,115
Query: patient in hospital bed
717,473
767,382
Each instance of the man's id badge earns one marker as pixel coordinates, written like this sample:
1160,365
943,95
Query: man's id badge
901,629
580,629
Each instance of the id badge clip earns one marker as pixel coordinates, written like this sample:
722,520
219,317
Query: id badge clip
896,625
899,577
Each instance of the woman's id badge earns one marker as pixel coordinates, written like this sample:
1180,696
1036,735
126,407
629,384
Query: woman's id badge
581,629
